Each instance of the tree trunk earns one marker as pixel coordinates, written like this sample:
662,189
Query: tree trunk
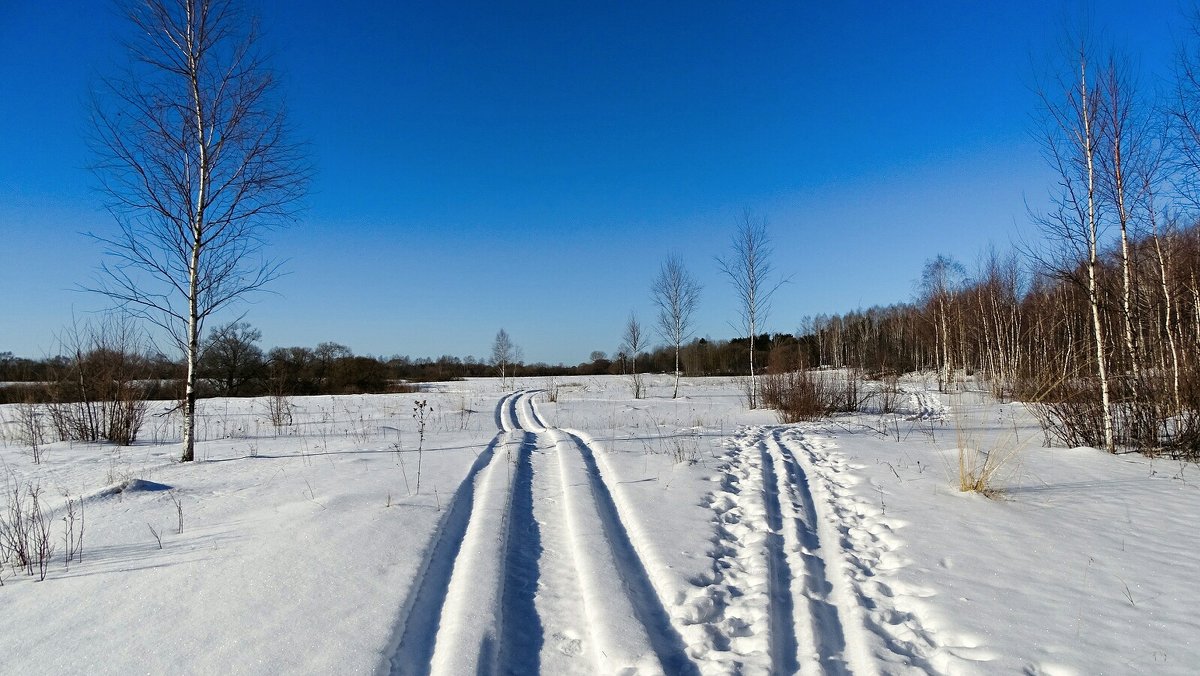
676,395
1089,140
1168,303
753,394
198,229
193,351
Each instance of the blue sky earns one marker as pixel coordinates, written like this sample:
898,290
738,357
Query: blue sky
529,168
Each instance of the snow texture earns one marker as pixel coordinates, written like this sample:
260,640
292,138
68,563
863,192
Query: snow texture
599,534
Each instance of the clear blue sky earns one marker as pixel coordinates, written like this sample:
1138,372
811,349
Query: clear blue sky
529,168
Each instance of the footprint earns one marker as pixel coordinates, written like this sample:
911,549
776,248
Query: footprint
568,644
702,610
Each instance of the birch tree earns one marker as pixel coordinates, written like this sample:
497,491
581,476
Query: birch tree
195,160
1129,167
941,281
1072,132
749,269
634,341
504,353
676,294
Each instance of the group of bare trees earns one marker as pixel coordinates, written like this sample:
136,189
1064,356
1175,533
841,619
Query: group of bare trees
1101,326
1126,173
1097,325
1027,331
675,294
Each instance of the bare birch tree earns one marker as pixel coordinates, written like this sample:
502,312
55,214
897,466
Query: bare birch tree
195,159
634,341
676,294
1185,115
1129,161
1073,131
504,353
941,281
749,269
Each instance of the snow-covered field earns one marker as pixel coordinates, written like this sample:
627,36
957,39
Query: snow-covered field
602,534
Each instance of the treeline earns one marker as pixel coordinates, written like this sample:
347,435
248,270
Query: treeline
232,363
1098,325
1030,336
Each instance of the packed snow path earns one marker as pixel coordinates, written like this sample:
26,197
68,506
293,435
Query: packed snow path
778,599
533,570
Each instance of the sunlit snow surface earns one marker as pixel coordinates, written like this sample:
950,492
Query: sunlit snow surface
602,534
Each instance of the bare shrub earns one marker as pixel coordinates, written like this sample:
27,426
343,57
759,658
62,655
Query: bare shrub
887,393
279,410
684,450
846,395
100,391
15,535
421,412
801,394
797,396
124,417
178,512
29,428
25,541
73,532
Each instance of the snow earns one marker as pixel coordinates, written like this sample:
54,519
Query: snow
602,534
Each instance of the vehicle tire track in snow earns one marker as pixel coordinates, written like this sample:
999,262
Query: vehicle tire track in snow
568,642
629,630
520,626
926,404
533,568
647,606
489,623
416,633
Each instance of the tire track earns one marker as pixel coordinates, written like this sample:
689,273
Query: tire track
666,641
415,636
628,626
520,626
534,570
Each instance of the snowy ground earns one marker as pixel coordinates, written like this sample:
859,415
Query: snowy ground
601,534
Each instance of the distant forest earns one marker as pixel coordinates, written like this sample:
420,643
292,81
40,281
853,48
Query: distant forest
233,364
